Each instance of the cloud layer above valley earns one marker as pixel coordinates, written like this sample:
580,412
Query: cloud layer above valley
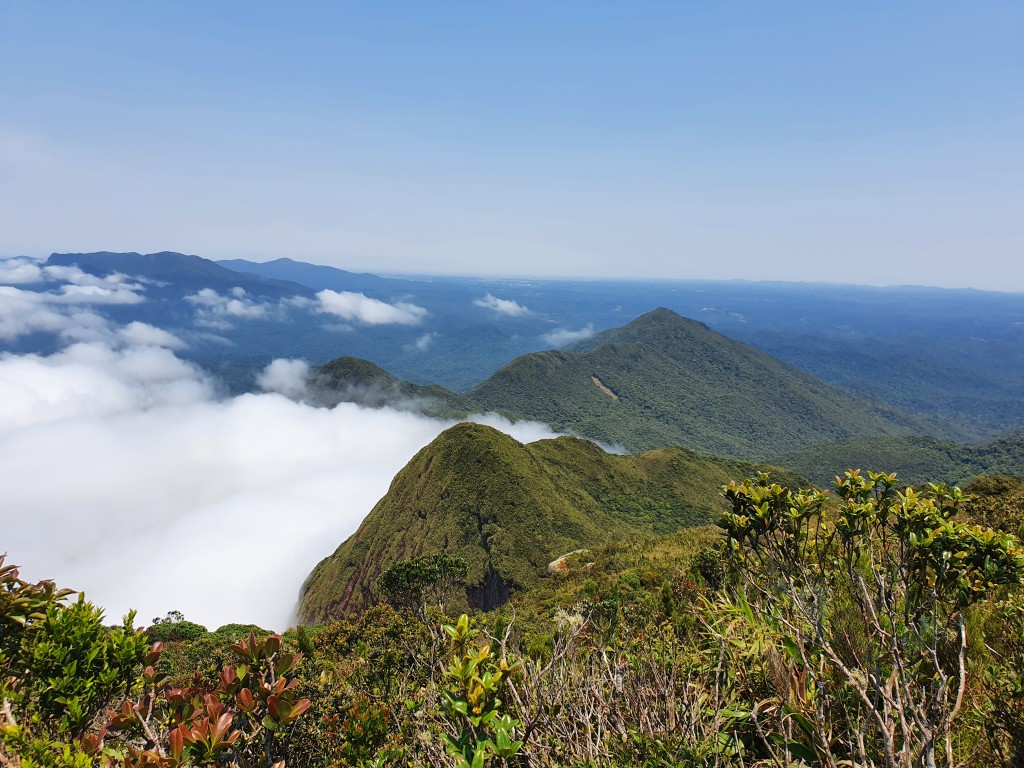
126,476
508,307
59,299
562,336
360,308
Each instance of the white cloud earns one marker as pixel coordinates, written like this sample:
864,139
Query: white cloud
125,477
508,307
562,336
214,310
93,379
75,276
423,343
286,377
361,308
298,302
95,294
20,271
23,312
150,335
59,311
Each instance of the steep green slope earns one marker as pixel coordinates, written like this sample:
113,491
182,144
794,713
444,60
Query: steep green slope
663,380
510,509
352,379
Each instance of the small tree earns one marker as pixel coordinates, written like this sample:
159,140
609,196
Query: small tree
866,598
414,582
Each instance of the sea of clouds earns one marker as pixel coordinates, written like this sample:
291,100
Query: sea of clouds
127,476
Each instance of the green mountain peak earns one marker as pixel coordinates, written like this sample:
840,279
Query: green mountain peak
510,509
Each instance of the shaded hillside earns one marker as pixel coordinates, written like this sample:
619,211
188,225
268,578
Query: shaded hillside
354,380
1001,455
510,509
178,272
314,276
916,459
666,380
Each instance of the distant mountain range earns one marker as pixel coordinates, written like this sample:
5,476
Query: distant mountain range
314,275
955,355
510,509
179,273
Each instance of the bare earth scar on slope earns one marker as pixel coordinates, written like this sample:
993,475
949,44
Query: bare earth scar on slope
601,385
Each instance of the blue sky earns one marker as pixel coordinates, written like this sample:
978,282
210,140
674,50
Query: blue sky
858,142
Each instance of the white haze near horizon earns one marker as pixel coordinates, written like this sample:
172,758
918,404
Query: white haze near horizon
126,477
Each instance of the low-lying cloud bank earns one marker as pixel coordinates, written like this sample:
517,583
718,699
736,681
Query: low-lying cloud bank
361,308
562,336
126,477
59,301
509,307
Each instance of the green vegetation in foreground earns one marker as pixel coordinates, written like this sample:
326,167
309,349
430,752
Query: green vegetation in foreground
694,648
509,509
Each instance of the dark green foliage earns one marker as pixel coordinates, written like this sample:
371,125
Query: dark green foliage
364,670
380,644
409,583
231,633
508,510
996,502
1000,455
1002,711
174,627
60,666
709,565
